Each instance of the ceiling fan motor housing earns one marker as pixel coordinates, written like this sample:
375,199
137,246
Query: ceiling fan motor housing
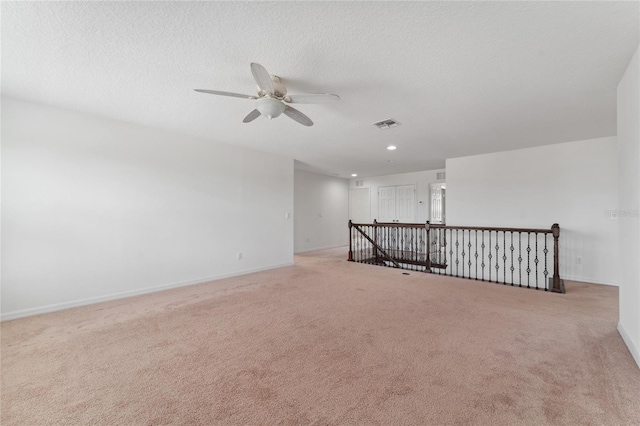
279,91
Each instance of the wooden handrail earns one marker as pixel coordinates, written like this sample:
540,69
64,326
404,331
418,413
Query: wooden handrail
493,228
479,228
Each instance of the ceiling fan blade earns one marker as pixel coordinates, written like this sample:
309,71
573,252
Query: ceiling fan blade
251,116
297,116
311,98
262,77
217,92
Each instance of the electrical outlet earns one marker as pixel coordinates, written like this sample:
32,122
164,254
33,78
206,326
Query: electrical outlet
239,255
579,260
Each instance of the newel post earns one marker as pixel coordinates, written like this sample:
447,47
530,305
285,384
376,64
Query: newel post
557,284
427,260
375,240
350,258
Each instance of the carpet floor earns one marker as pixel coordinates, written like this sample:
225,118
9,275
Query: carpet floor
326,342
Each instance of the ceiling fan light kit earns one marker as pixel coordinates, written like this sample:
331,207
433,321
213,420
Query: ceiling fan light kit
272,98
269,107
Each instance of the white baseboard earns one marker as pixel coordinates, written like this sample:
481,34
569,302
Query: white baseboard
307,250
587,280
635,353
114,296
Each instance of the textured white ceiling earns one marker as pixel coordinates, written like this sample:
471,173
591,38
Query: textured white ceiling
462,78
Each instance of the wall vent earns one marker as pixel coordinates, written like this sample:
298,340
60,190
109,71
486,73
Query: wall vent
441,176
386,124
358,183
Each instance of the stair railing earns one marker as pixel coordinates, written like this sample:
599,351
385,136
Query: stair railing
509,256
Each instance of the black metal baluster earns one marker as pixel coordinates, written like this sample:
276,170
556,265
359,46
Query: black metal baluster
396,240
419,232
434,250
504,257
490,256
400,255
520,257
441,246
497,256
427,240
482,246
512,267
409,256
469,246
450,265
528,256
415,243
421,242
387,244
416,247
363,247
457,249
391,241
546,271
413,253
536,260
476,250
407,244
443,252
463,254
372,231
379,241
368,246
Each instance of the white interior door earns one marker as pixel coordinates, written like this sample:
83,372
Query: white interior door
386,204
360,205
406,203
397,203
438,191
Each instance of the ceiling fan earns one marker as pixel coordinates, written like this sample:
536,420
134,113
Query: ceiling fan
272,98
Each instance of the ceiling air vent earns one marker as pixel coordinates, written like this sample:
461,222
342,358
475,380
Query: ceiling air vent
386,124
440,175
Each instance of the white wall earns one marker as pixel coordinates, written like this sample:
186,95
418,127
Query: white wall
573,184
629,202
321,211
420,179
94,209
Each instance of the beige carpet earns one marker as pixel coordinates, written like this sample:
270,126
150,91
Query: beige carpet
326,342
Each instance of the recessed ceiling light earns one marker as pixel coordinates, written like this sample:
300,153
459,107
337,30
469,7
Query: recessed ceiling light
392,147
354,174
